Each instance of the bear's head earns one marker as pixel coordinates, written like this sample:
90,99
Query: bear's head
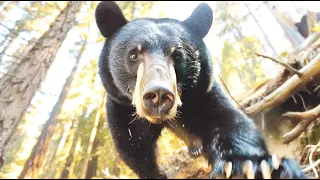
152,62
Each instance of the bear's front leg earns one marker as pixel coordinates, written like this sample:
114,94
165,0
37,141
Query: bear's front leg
239,151
135,140
193,141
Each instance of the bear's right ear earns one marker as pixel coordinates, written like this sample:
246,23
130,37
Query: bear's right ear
109,18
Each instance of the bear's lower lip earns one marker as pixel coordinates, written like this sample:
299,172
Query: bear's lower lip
157,119
156,113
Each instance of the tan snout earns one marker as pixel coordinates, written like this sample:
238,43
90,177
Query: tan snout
156,97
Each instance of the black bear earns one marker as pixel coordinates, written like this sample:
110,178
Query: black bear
303,27
157,73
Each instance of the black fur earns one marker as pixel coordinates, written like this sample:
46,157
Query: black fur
302,26
227,133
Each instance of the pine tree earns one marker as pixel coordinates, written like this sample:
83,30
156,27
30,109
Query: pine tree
20,84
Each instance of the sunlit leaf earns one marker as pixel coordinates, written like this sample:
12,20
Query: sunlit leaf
284,54
316,28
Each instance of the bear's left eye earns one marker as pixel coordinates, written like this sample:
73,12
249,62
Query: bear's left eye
177,55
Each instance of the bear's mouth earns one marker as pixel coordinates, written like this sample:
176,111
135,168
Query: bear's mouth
158,119
156,96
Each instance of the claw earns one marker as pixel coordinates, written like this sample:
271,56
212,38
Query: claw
275,162
248,169
228,169
265,169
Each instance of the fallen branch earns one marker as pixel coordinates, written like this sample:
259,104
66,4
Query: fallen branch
311,156
287,66
308,42
313,152
317,163
287,89
306,118
298,61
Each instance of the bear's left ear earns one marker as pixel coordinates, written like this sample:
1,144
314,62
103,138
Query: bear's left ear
109,18
200,20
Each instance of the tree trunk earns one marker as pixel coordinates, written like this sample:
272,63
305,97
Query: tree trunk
16,92
67,166
261,29
92,138
39,150
73,161
93,163
56,160
17,57
286,22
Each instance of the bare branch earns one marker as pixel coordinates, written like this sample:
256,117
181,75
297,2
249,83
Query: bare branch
288,88
312,166
230,94
313,149
311,156
287,66
306,118
17,34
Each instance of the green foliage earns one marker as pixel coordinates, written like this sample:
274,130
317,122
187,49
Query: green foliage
284,54
135,9
316,28
42,14
241,70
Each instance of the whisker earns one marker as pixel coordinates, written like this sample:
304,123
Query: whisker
135,118
168,122
179,113
148,127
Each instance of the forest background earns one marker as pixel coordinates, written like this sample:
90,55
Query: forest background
52,117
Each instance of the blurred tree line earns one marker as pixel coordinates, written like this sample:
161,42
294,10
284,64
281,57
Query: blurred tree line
52,117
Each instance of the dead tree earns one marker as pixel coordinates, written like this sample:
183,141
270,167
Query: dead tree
293,96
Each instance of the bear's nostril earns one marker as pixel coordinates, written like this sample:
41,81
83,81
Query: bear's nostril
158,99
168,97
166,102
151,97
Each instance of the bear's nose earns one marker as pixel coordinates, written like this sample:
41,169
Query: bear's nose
158,99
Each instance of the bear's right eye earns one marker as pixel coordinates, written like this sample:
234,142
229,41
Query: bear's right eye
133,56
